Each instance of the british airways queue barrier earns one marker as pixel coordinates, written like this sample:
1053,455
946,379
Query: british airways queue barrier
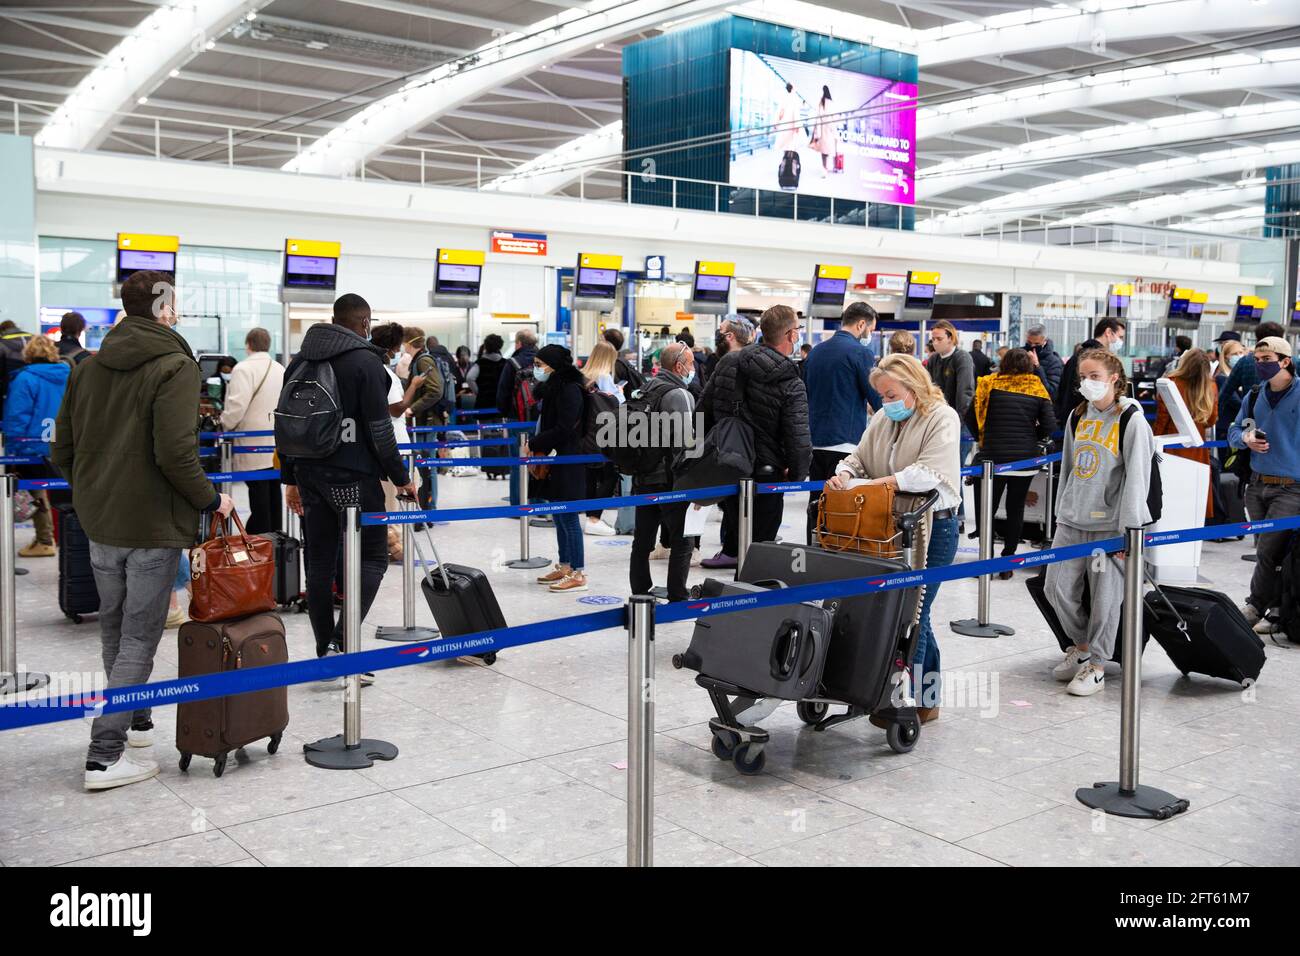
12,680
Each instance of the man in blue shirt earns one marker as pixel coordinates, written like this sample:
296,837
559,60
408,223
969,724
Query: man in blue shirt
837,374
1242,378
1269,425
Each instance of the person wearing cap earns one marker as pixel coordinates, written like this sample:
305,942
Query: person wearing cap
1268,423
561,394
1242,378
1048,365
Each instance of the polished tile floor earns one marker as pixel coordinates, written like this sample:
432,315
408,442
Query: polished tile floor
523,763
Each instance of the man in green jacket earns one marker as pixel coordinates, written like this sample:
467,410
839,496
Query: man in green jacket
126,438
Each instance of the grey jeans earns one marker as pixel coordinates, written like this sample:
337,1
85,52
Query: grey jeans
1262,502
135,586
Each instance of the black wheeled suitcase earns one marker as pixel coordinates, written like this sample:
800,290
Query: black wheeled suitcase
770,651
78,594
869,629
1203,632
461,598
1233,497
287,585
790,170
1035,585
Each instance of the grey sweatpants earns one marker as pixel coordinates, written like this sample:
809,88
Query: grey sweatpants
135,587
1098,624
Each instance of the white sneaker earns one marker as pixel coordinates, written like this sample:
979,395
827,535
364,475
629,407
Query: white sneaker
1265,626
1252,616
140,737
126,769
695,558
1066,670
660,553
1090,679
598,527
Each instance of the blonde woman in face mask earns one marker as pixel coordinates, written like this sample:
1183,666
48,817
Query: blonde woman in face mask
1105,474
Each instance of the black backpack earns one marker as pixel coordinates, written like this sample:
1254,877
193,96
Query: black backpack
1155,490
447,400
309,414
1238,460
634,421
599,410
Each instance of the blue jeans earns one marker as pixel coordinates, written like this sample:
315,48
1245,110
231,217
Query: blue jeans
942,549
568,533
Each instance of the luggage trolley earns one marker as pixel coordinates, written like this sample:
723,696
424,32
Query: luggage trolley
864,666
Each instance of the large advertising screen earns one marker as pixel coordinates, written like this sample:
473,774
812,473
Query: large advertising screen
854,135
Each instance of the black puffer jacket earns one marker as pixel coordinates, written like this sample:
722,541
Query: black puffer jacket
363,388
559,429
767,384
1013,425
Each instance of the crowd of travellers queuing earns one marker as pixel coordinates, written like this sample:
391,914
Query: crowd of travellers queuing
835,412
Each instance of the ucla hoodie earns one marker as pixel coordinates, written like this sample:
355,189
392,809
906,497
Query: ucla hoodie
1104,487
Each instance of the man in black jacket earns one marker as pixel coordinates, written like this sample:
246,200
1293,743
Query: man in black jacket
319,489
765,382
1107,334
70,348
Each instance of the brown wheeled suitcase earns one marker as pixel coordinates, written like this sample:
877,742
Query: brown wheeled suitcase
218,725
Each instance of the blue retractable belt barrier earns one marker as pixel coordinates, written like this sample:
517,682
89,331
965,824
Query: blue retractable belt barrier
504,462
217,436
216,477
468,443
253,450
470,427
20,460
468,412
25,713
549,508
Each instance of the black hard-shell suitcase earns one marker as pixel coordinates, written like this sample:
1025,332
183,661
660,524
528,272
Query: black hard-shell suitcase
1035,585
78,594
1204,633
1234,501
771,651
287,585
461,598
218,725
867,629
790,170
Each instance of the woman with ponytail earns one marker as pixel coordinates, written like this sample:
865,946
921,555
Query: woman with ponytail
1105,475
913,443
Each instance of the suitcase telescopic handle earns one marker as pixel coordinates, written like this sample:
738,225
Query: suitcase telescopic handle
1182,624
410,504
908,521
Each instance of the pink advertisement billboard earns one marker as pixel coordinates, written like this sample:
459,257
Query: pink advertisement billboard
812,129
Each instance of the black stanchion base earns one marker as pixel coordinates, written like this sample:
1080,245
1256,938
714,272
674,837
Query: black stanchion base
22,682
528,564
19,572
407,635
1145,802
333,754
971,627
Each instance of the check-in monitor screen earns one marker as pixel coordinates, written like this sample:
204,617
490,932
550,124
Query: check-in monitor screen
830,291
452,279
310,272
596,283
919,296
133,260
711,288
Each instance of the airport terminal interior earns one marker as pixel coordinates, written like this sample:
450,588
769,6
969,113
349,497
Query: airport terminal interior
1067,228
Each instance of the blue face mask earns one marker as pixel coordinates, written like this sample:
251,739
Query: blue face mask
1232,362
897,411
1267,370
540,375
688,377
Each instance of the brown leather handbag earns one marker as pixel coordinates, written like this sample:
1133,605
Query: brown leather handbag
231,575
858,519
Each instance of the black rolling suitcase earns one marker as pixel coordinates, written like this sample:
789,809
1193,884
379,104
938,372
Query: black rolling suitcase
460,597
867,629
1035,585
787,176
1232,495
770,651
1203,632
78,594
288,569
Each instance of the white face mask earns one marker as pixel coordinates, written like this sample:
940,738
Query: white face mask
1093,390
1117,345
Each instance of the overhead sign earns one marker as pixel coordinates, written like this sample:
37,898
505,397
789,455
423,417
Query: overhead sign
655,267
883,282
141,252
457,278
829,286
519,243
311,264
595,283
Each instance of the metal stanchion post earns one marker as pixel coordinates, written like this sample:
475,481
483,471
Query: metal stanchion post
1126,797
348,751
12,680
745,533
640,730
524,561
227,450
409,631
1049,506
980,626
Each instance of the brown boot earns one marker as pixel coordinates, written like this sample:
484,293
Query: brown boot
927,714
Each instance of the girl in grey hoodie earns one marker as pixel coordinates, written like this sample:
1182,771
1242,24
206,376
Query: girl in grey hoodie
1105,474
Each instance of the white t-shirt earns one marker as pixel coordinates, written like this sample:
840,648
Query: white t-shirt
395,393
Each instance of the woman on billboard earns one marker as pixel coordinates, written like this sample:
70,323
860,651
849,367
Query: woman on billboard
824,139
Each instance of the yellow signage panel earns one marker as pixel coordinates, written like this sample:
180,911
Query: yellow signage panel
1125,288
704,267
462,257
834,272
144,242
1183,294
594,260
1261,303
313,247
1201,297
925,278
